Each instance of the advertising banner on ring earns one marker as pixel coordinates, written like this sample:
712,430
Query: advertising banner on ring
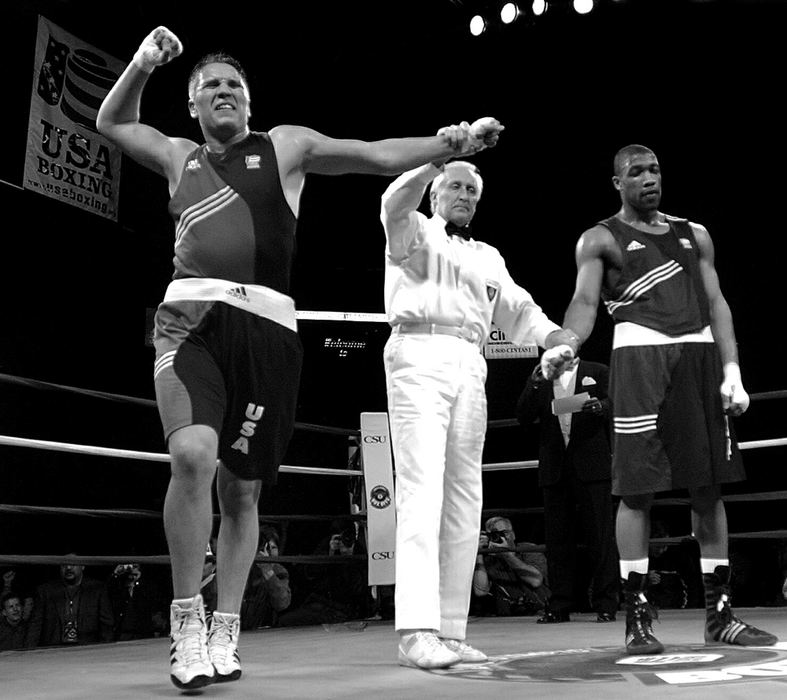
66,158
381,508
498,347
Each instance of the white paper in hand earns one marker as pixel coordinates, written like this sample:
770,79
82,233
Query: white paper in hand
569,404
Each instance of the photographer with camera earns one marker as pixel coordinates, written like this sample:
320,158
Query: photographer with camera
139,606
339,592
505,581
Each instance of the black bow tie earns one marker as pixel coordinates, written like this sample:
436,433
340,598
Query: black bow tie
462,231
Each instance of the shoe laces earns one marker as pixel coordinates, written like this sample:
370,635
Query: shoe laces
643,613
724,608
457,645
428,640
223,638
189,635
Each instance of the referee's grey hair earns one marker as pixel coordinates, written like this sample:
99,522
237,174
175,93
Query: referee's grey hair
439,179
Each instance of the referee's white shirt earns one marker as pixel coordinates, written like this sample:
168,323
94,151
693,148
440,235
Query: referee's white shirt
431,277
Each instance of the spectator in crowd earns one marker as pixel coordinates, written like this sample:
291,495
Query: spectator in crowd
13,628
338,592
138,605
12,583
507,581
267,590
72,609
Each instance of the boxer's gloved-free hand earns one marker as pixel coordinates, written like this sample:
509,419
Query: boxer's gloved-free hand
159,47
467,139
458,137
486,131
556,360
734,399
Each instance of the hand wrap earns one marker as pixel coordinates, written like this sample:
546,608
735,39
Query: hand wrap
734,399
556,360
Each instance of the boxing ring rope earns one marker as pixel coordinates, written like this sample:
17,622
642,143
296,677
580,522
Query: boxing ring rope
321,471
38,384
150,456
132,514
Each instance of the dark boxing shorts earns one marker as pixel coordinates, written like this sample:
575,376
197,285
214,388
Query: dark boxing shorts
220,365
670,431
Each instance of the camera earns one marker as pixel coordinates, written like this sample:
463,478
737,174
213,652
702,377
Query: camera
126,572
496,537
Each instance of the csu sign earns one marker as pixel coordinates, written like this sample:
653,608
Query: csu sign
375,439
381,556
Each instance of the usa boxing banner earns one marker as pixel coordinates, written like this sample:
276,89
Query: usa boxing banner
379,486
497,347
66,158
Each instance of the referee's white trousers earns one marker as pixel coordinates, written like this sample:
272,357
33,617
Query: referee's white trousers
437,408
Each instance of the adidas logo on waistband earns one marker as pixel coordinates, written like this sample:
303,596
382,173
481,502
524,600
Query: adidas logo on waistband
193,165
635,245
238,293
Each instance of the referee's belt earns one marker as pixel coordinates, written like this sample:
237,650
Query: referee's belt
436,329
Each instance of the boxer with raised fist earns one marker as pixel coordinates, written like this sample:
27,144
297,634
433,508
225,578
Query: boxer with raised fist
228,364
674,383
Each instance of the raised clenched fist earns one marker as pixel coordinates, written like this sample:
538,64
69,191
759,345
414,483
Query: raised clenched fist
159,47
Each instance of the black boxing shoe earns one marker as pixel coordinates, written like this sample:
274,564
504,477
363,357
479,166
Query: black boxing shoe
639,617
605,617
721,624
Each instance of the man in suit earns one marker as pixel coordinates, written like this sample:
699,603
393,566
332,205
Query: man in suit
574,472
72,609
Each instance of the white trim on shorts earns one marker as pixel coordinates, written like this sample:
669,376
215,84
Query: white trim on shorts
629,334
253,298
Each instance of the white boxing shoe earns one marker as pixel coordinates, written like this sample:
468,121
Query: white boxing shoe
190,666
223,646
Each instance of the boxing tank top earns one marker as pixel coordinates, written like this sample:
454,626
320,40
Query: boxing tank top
660,286
232,220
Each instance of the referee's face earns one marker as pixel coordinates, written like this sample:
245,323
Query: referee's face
457,195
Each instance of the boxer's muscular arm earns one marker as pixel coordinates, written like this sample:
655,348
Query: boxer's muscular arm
300,150
118,116
328,156
720,314
592,252
734,398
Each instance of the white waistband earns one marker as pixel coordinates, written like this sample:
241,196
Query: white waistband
253,298
629,334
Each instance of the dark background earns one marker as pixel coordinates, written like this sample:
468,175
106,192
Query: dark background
699,82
